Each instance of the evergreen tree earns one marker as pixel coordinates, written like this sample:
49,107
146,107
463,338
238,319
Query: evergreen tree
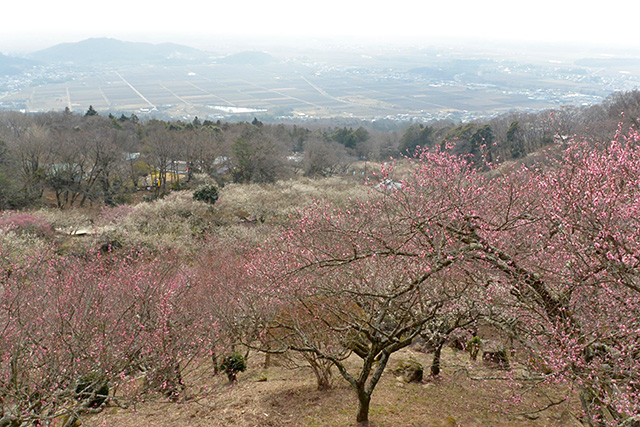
416,136
515,140
91,112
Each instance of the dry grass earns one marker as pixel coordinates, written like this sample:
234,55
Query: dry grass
289,398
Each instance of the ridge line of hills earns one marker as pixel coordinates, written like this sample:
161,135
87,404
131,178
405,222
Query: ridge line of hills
96,51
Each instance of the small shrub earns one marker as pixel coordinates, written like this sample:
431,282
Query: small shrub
150,198
207,193
497,355
93,389
459,339
474,347
409,370
178,185
24,223
233,364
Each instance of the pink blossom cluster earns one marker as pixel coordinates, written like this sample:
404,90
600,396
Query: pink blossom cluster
549,252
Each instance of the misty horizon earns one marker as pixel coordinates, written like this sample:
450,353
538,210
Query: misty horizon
206,25
229,43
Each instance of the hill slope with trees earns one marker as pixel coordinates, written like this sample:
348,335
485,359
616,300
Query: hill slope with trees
514,240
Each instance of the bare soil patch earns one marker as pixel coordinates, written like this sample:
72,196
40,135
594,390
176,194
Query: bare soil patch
467,394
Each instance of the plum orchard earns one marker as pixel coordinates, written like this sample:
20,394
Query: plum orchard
550,254
106,317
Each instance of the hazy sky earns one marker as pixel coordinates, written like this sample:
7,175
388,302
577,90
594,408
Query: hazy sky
36,24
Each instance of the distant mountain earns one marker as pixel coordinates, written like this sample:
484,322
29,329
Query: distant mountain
11,66
110,51
247,58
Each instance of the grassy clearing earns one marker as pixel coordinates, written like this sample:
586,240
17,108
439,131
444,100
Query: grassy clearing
289,397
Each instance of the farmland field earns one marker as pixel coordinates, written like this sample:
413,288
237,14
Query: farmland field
196,90
419,86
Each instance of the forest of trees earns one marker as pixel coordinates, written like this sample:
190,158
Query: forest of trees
81,159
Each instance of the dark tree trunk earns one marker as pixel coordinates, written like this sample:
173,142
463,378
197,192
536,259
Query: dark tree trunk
267,360
214,359
323,375
435,364
363,409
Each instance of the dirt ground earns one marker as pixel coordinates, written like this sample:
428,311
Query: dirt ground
469,393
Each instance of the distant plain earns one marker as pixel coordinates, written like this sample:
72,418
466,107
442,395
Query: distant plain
427,85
